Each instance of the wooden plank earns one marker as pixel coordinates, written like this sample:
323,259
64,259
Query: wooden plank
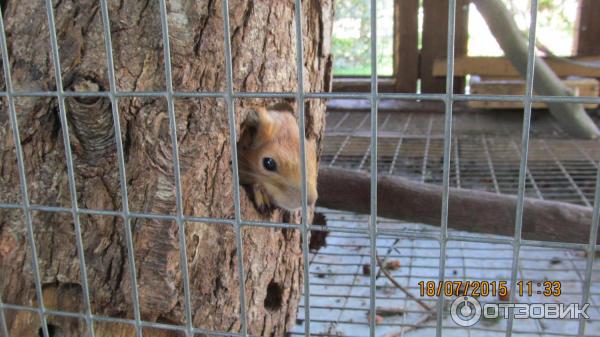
435,22
588,29
461,35
587,87
406,52
435,34
362,84
501,67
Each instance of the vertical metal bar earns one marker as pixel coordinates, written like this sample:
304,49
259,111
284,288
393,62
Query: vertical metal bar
448,101
385,121
373,215
456,163
70,170
584,153
114,101
305,229
363,160
178,197
564,171
464,270
407,299
591,253
347,295
528,173
6,71
368,151
426,151
26,207
399,145
527,102
540,327
3,321
234,163
488,158
347,140
340,122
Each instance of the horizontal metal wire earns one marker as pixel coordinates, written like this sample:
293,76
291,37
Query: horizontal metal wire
99,318
474,237
315,95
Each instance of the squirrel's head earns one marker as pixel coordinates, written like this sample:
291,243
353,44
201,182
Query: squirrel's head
269,156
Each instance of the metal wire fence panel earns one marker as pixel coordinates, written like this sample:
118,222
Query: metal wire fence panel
421,146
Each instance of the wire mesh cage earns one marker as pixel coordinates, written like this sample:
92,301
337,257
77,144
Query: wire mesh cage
343,289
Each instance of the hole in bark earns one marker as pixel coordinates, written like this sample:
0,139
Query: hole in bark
53,331
85,84
318,239
274,296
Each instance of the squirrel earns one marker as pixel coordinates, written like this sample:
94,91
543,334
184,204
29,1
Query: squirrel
269,159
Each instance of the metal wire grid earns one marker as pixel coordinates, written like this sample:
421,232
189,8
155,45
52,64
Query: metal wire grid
448,98
339,285
411,145
485,156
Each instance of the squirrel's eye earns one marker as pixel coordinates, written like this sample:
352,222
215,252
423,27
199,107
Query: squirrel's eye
269,164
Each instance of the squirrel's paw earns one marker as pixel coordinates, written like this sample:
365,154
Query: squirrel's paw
262,201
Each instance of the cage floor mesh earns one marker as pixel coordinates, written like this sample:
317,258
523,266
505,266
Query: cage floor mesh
485,156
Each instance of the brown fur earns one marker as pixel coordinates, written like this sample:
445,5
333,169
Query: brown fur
273,132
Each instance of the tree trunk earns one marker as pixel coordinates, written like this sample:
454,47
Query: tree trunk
263,60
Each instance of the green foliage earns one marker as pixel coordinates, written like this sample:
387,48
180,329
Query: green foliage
555,21
352,38
352,33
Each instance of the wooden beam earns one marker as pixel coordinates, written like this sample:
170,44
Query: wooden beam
361,84
588,29
406,49
435,22
587,87
502,67
435,35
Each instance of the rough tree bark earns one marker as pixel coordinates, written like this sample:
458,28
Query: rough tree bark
263,60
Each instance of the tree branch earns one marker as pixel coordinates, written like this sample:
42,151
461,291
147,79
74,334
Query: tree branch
572,117
469,210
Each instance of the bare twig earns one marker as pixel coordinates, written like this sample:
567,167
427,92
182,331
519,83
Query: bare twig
398,285
429,312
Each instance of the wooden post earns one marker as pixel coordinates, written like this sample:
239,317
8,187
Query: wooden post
406,49
435,34
588,28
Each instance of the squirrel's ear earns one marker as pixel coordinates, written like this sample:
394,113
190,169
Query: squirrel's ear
258,125
257,117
